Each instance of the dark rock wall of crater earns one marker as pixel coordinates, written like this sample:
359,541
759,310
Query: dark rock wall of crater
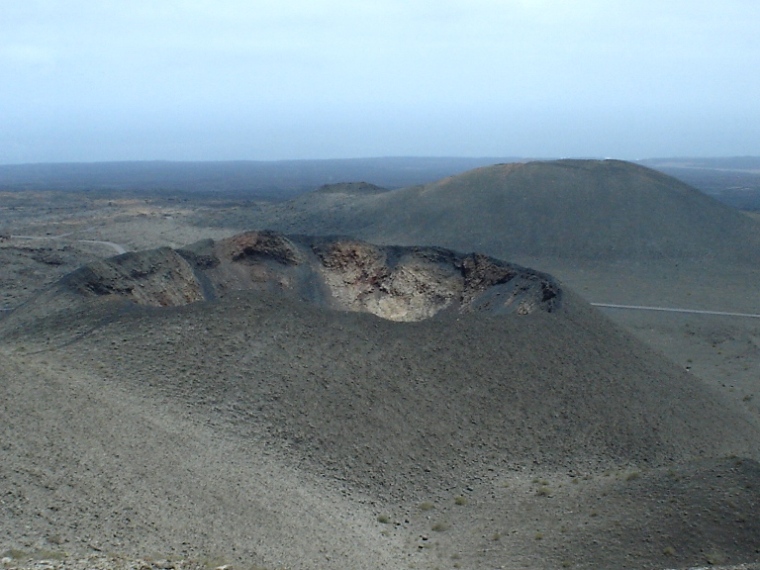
395,283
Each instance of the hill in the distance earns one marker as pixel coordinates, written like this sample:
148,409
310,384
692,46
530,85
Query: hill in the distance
570,209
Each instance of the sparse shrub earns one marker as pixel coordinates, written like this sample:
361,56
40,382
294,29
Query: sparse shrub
383,519
539,536
440,527
669,551
543,491
460,500
632,476
426,506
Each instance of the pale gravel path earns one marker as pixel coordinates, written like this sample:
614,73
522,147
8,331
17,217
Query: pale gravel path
675,310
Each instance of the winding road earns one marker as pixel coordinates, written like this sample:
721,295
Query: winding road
118,248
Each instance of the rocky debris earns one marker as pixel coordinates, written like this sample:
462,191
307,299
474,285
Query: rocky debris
251,247
159,277
47,256
395,283
101,562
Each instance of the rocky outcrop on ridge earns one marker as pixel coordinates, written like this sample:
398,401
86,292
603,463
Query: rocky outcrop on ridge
395,283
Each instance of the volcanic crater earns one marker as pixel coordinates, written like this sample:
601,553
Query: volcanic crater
394,283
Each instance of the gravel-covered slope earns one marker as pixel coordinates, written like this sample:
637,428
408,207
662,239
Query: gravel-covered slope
260,428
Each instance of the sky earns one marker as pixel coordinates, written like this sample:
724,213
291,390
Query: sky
106,80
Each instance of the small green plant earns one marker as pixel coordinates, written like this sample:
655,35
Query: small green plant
460,500
543,491
426,506
669,551
383,519
440,527
539,536
632,476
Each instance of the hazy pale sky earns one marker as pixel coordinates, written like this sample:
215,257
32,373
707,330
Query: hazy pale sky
91,80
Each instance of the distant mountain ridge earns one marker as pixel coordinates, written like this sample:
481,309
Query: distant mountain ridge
734,181
269,180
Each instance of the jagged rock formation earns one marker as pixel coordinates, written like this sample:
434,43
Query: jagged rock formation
395,283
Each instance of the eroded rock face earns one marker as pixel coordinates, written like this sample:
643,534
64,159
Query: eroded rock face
159,277
395,283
